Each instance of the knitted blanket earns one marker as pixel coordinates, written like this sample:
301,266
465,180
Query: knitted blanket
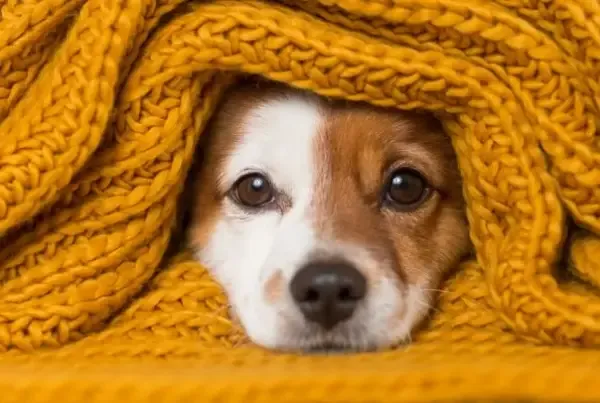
102,103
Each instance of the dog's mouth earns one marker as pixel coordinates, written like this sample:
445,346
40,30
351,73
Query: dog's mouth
346,338
334,345
336,349
341,342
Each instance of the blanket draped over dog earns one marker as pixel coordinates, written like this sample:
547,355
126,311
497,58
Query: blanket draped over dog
102,103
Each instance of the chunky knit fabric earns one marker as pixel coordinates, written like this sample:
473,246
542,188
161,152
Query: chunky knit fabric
102,104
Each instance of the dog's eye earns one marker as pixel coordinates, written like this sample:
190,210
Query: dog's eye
406,188
253,190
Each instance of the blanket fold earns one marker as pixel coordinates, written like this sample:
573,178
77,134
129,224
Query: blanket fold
102,104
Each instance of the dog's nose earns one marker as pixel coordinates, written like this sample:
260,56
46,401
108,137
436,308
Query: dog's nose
328,292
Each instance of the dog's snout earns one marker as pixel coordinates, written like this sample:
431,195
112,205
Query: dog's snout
328,292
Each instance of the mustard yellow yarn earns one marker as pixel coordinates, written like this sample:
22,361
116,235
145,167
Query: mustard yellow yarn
102,103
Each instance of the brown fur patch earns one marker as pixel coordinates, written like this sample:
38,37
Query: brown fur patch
274,287
358,148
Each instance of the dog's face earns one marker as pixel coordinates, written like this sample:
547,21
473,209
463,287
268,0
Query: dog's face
329,224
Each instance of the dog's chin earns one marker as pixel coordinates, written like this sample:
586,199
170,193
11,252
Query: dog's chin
294,335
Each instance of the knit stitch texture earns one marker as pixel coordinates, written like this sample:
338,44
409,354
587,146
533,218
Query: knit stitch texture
102,103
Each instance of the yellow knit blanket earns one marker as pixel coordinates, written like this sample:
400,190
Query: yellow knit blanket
102,103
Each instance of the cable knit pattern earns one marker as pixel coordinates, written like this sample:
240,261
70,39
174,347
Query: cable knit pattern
102,103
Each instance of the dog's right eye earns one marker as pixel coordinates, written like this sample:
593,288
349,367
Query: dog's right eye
253,190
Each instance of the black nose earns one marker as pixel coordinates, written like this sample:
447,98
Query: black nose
328,292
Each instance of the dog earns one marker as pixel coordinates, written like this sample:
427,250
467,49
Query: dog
330,224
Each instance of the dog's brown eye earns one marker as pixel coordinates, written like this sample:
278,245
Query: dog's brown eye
253,190
406,188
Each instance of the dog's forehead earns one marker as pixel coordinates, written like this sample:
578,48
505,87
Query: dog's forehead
293,135
272,132
353,124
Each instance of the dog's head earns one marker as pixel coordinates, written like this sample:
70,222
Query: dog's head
329,224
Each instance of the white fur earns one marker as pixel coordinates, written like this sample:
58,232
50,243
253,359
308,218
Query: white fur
244,250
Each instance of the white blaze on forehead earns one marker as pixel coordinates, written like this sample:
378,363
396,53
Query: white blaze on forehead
277,137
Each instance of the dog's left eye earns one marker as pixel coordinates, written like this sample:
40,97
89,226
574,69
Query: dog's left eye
253,190
406,189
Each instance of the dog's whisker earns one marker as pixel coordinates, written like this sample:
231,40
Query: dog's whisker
440,290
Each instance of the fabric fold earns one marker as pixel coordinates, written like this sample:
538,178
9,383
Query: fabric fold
103,103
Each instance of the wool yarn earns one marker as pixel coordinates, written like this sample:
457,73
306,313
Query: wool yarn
102,104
